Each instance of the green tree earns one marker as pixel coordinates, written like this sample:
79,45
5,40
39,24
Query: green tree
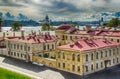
73,25
16,26
114,22
45,27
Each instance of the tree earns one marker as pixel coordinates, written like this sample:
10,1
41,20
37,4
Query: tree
115,22
16,26
45,27
73,25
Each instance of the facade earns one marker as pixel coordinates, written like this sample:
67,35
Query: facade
87,56
25,47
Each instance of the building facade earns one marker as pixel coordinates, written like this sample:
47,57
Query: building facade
87,56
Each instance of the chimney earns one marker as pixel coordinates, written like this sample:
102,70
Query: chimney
22,34
13,34
88,28
3,35
39,32
32,32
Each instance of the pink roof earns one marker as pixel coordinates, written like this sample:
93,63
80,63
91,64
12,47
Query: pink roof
35,39
87,45
64,27
98,33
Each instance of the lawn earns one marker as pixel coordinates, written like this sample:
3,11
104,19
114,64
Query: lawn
6,74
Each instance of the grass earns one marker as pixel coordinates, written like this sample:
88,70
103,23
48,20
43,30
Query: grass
6,74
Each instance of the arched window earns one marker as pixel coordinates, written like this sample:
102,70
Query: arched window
73,67
96,65
59,64
78,58
73,57
63,55
92,67
86,57
52,46
97,55
106,53
58,54
48,46
78,68
92,56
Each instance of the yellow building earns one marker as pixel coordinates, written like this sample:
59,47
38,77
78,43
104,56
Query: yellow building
87,56
25,47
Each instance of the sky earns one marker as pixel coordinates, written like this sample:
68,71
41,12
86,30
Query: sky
37,9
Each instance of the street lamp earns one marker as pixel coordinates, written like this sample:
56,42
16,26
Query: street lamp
83,76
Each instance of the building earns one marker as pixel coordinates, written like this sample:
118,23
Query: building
67,33
25,47
87,56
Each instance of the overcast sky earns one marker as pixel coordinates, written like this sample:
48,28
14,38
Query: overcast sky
58,8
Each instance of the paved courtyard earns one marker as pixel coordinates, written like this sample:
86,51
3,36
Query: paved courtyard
43,72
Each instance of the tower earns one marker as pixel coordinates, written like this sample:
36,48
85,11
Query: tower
47,19
101,21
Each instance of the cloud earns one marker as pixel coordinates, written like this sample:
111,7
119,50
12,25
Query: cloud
58,8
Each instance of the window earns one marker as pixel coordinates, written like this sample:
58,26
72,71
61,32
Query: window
14,54
58,54
92,67
113,60
78,68
73,67
101,54
63,55
52,46
21,47
48,46
101,64
17,54
58,64
109,62
14,46
21,55
11,53
86,57
117,60
25,48
110,52
63,65
73,57
96,65
78,58
97,55
18,46
92,56
86,68
118,40
44,47
106,53
66,37
28,48
71,37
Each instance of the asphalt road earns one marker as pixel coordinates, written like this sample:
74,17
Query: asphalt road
44,72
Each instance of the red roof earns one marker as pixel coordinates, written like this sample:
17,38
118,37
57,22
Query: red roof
98,33
64,27
35,39
87,45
